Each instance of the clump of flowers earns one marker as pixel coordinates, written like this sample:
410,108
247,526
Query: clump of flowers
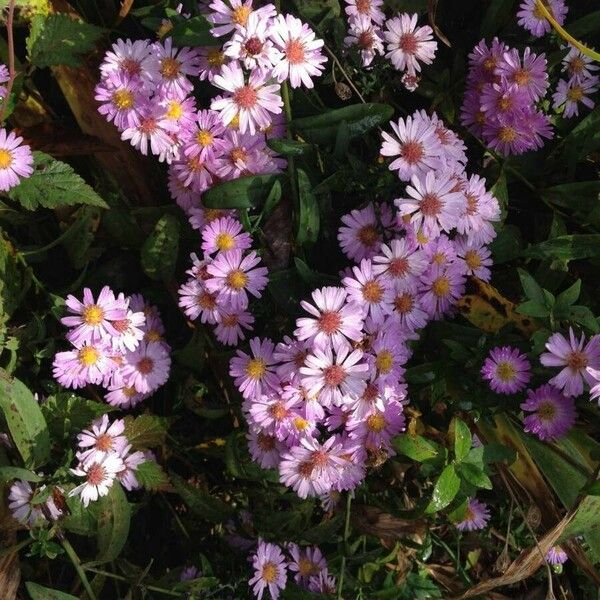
504,88
117,343
579,84
407,44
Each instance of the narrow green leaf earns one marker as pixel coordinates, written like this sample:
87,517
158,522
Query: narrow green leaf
532,289
462,439
289,147
245,192
569,247
416,447
194,31
39,592
567,298
201,503
114,516
25,421
9,473
159,252
308,216
446,488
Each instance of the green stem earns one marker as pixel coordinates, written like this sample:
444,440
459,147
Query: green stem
63,236
151,588
77,564
285,95
346,536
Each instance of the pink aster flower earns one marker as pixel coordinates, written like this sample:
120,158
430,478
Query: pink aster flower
433,205
552,413
210,61
481,210
476,517
4,77
264,449
471,115
185,197
120,101
93,320
193,173
441,288
407,44
387,355
269,412
440,252
507,370
22,508
252,102
367,37
290,355
131,461
556,556
255,374
365,9
179,117
99,477
131,61
102,438
359,236
150,134
408,310
196,301
241,155
575,356
224,234
90,363
476,258
234,275
323,583
147,367
16,160
231,324
578,66
305,562
531,18
375,432
416,146
175,65
484,59
301,57
334,377
503,98
571,93
399,264
369,291
205,141
527,74
122,396
233,15
251,44
269,570
128,332
333,321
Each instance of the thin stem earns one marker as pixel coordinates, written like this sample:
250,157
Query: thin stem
77,564
151,588
11,57
346,76
346,536
285,95
565,34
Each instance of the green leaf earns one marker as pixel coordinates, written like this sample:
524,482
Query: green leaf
532,289
308,216
152,476
159,252
573,195
584,316
531,308
78,519
474,475
39,592
462,439
326,531
317,11
9,473
592,489
14,280
567,298
446,488
193,32
53,183
289,147
245,192
25,421
146,431
496,15
507,244
569,247
114,516
416,447
583,139
201,503
361,118
57,39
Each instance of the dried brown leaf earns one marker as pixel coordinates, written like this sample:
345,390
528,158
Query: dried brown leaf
431,10
387,527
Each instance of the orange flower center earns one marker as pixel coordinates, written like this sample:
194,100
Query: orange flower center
334,375
145,365
294,52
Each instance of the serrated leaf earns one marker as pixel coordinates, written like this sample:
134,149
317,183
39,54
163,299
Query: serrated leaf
39,592
53,183
146,431
201,503
244,192
159,252
114,516
57,39
446,488
416,447
462,439
308,214
9,473
152,476
25,421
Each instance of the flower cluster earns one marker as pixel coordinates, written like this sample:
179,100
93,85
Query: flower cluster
578,86
218,289
307,565
407,44
117,343
500,103
104,456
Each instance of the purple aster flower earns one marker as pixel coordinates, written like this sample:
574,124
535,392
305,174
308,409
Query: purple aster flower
290,355
527,74
556,556
264,449
481,210
441,288
121,101
150,133
206,141
90,363
323,583
99,477
507,370
408,310
573,92
196,301
102,438
553,413
224,234
359,236
531,18
210,61
305,562
189,573
399,264
255,374
575,356
122,396
477,258
16,160
369,9
269,569
231,323
131,460
476,517
367,37
578,66
147,367
131,61
23,510
174,67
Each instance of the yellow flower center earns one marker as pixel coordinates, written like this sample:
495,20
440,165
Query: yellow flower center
122,99
472,259
169,68
269,572
225,241
256,368
546,411
376,422
153,336
372,291
441,287
235,123
507,134
306,567
240,15
300,424
237,279
5,159
505,371
384,361
93,315
88,355
215,58
175,110
575,94
204,138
